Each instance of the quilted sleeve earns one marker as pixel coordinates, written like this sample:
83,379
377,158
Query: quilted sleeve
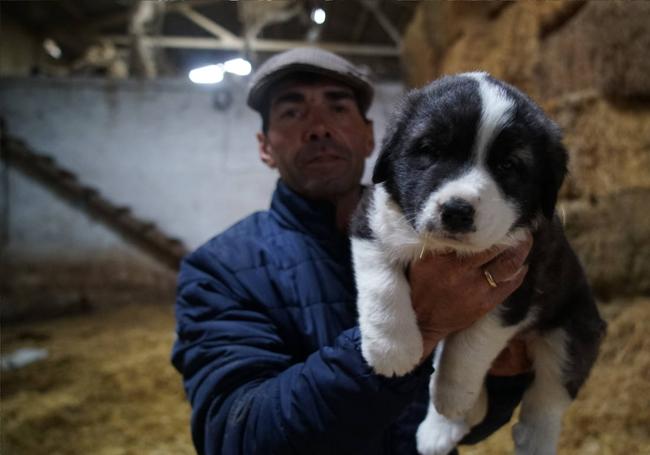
249,396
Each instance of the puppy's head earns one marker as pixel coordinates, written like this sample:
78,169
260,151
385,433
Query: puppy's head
468,159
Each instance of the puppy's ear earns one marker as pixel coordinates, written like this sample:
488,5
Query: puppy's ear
382,166
385,160
555,169
395,136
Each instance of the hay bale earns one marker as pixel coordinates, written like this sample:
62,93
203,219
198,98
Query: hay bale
500,37
608,143
604,47
612,411
544,48
422,54
611,235
504,44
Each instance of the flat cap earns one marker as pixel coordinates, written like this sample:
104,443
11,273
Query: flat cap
309,60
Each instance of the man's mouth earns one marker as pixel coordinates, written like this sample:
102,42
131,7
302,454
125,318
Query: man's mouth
324,159
323,153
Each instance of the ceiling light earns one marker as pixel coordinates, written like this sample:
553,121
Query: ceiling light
52,48
318,15
211,74
238,66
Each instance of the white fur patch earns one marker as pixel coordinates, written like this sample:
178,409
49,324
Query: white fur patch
398,238
494,214
438,435
390,338
496,112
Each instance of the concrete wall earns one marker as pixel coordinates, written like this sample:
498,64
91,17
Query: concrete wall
161,148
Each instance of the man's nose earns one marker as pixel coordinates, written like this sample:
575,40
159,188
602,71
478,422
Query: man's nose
317,126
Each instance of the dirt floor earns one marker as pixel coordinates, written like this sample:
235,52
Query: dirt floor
107,387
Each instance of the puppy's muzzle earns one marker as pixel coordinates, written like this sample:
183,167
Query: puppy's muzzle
457,216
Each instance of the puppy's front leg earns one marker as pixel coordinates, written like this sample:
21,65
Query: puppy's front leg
391,341
465,360
438,435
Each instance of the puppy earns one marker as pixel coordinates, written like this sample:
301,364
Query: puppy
468,163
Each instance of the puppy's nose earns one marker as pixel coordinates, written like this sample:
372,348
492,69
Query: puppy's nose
457,215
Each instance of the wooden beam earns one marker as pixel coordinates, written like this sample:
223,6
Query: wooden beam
361,25
259,45
123,17
383,21
206,23
144,14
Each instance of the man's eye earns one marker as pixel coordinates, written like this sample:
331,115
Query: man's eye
340,109
289,113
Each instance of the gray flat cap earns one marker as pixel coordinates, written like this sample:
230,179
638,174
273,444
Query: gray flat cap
309,60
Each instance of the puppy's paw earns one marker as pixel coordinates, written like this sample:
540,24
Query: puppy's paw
534,439
393,357
454,400
438,435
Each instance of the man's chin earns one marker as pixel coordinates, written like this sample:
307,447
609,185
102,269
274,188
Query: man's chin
327,189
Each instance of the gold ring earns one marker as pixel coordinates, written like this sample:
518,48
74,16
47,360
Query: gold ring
490,279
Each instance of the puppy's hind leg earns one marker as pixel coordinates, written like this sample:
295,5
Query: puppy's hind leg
544,402
391,342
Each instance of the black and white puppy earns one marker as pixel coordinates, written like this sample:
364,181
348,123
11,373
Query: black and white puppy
468,163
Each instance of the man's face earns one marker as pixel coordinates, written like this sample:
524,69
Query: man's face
317,138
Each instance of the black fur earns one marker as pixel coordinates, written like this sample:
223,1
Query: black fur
359,225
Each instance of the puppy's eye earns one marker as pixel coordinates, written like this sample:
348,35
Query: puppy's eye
511,165
423,156
506,166
422,162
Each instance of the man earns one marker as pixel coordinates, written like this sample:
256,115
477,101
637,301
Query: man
267,340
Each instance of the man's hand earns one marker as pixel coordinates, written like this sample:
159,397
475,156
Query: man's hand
449,293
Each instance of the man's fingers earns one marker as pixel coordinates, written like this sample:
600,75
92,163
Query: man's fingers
507,266
505,288
479,259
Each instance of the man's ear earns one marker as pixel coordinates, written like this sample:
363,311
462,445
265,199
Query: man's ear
265,150
555,169
370,139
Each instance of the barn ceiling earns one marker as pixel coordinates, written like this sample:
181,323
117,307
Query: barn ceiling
128,38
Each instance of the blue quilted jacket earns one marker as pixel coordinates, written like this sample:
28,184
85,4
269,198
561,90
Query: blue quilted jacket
269,348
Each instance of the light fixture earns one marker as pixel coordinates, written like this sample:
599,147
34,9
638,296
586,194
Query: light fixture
318,16
52,49
213,74
238,66
210,74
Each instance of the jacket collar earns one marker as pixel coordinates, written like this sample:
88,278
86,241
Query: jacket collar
317,218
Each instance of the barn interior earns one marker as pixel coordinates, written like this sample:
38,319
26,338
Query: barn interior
115,164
